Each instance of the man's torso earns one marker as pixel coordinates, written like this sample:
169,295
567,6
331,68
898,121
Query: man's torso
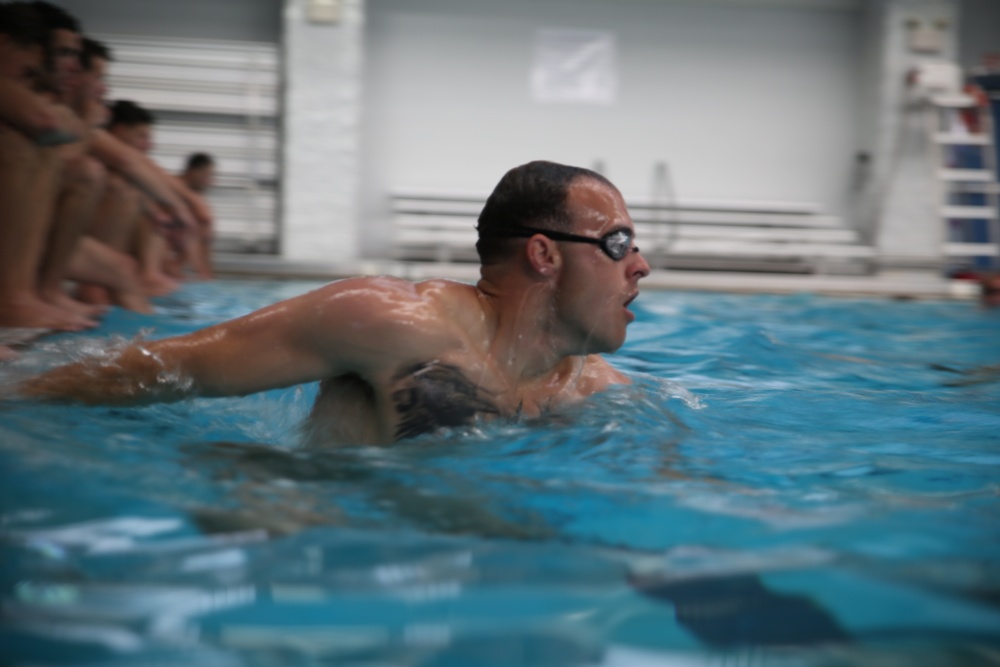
457,386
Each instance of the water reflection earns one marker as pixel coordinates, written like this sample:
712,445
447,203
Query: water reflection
368,598
822,500
271,491
741,611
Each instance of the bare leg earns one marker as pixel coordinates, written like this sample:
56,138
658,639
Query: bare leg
82,186
206,235
117,214
107,275
151,250
28,181
114,228
172,262
194,247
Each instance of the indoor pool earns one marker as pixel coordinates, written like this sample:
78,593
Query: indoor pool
790,480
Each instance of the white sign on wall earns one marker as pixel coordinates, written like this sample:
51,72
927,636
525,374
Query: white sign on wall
574,67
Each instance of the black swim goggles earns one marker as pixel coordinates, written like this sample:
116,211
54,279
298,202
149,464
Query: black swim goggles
616,244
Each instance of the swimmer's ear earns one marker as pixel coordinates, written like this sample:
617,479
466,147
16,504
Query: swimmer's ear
543,254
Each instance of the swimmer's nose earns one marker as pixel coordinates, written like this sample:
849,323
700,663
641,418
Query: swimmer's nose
640,267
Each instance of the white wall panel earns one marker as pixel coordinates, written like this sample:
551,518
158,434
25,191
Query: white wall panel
979,31
215,97
209,70
323,88
253,20
743,101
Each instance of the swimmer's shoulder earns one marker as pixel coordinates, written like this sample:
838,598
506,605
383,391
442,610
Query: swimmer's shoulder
389,293
580,377
392,304
367,293
398,288
439,288
597,375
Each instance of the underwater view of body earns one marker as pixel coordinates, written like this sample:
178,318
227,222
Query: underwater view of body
788,480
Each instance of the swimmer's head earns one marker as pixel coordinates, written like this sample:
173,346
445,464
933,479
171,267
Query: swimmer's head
199,172
95,59
989,290
532,195
132,124
23,43
567,231
64,46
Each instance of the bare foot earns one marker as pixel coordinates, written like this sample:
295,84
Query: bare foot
33,313
172,269
62,300
159,284
94,293
134,301
7,353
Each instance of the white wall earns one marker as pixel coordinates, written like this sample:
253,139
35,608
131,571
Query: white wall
251,20
979,31
907,220
322,130
743,100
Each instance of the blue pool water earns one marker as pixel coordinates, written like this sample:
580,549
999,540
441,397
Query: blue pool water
791,480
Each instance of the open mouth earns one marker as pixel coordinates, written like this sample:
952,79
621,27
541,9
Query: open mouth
629,300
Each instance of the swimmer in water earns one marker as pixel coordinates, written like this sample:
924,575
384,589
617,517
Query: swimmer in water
989,290
397,359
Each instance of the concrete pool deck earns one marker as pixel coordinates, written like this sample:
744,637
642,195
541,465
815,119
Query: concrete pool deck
893,284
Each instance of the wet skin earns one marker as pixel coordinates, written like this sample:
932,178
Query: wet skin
459,384
66,47
397,359
468,382
20,63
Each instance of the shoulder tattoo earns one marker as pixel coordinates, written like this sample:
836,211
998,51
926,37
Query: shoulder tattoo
434,395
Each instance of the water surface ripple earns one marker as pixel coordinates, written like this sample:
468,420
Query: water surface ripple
789,480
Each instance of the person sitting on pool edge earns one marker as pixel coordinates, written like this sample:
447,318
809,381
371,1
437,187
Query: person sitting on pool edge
396,359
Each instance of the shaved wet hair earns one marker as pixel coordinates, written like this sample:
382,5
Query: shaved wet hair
56,18
531,195
92,49
23,24
127,112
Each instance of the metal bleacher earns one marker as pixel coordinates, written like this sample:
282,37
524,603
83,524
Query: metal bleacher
223,98
733,236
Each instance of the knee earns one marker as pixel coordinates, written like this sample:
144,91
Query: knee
115,261
127,265
85,172
121,190
18,152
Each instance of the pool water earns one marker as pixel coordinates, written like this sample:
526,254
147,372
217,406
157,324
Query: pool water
790,480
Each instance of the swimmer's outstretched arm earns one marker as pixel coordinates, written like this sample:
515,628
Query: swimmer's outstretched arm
357,326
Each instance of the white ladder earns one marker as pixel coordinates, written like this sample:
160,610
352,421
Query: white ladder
952,143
